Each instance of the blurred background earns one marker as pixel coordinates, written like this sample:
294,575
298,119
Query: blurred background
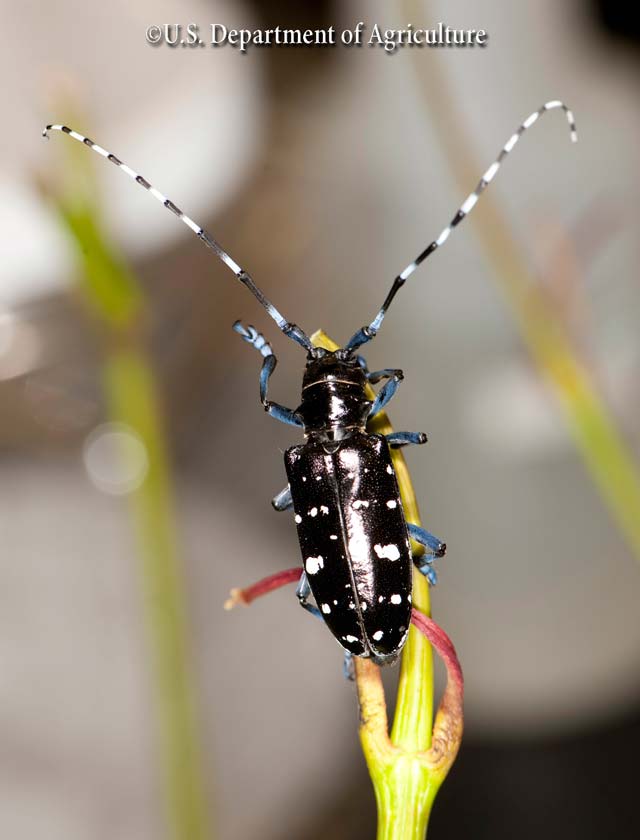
323,172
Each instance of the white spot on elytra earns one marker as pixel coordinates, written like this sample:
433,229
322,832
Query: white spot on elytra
326,609
324,509
391,551
314,564
378,635
396,599
359,503
333,537
350,638
335,602
389,469
381,599
392,504
363,606
409,597
352,606
318,478
298,518
313,512
304,477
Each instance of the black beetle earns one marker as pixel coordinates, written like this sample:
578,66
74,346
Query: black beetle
354,538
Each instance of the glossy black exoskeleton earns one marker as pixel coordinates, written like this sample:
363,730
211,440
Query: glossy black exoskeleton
342,486
351,525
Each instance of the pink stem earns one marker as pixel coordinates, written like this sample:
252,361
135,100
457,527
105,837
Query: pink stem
443,644
263,587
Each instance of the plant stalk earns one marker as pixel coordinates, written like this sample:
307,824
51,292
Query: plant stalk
405,768
600,443
118,305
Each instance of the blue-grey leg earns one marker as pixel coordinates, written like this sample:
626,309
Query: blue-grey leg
424,566
282,500
279,412
348,670
376,376
385,394
283,414
257,340
303,592
435,546
398,439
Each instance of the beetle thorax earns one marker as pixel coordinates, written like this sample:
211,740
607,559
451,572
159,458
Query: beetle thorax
334,400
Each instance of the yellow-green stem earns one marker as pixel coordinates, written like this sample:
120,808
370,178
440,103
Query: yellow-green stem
131,396
405,773
117,304
609,460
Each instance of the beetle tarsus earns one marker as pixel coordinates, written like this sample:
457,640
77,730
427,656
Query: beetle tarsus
348,668
399,439
282,501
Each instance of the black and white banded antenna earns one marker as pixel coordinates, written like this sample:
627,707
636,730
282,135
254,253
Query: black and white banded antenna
367,333
291,330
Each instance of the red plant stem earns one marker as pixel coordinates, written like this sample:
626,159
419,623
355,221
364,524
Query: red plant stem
263,587
449,721
443,644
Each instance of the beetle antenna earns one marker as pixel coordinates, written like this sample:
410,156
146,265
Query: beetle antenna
367,333
291,330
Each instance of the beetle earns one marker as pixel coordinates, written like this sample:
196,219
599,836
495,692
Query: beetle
342,487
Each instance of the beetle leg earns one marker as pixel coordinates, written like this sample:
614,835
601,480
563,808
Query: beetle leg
348,669
398,439
303,592
257,340
279,412
282,413
436,546
424,566
251,335
385,394
376,376
282,500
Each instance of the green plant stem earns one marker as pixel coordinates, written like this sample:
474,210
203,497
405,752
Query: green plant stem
131,396
604,451
407,768
117,303
405,801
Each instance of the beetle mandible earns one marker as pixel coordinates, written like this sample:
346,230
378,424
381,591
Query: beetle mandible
353,535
